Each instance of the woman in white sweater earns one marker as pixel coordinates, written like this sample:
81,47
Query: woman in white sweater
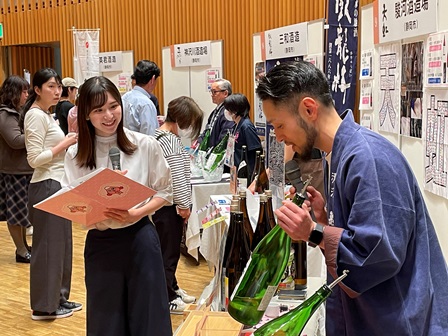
51,262
126,288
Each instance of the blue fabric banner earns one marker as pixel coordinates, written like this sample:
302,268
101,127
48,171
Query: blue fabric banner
342,52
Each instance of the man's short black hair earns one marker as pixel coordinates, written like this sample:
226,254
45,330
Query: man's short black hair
144,71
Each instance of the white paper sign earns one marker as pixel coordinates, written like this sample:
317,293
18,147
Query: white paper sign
400,19
365,99
288,41
436,59
111,61
191,54
366,64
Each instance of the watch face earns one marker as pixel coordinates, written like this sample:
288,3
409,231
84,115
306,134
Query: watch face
316,236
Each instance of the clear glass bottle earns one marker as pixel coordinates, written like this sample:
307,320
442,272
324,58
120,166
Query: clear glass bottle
261,277
293,322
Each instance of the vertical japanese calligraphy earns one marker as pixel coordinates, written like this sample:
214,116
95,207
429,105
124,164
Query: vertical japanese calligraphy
436,142
389,79
342,52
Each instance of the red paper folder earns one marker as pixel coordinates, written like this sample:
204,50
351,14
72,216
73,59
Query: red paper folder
85,200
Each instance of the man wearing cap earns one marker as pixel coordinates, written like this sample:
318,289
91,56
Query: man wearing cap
68,95
139,111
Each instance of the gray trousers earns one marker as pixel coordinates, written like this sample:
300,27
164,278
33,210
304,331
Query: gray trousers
52,253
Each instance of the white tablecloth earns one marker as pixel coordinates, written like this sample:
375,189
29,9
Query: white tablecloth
201,192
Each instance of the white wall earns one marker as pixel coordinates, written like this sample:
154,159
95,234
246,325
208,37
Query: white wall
412,148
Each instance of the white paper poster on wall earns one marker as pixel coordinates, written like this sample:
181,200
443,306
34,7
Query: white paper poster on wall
191,54
260,120
366,64
436,142
288,41
210,76
366,121
316,59
389,74
365,99
400,19
436,60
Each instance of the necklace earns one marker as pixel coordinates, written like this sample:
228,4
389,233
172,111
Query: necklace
36,105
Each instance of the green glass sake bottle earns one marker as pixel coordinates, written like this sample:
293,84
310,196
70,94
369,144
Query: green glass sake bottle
217,154
293,322
260,279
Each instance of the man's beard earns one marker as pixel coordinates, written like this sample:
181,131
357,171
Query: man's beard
311,135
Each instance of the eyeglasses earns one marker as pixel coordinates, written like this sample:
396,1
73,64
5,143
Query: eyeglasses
213,92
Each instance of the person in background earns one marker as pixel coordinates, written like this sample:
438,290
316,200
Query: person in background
51,262
237,109
375,223
184,119
15,172
140,111
68,96
217,122
124,274
72,118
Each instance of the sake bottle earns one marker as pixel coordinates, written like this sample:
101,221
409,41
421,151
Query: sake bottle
217,154
300,264
263,226
256,166
243,169
262,177
238,256
300,247
270,208
203,146
228,245
249,231
261,277
293,322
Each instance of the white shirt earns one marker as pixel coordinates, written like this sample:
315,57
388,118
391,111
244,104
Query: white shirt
147,166
42,133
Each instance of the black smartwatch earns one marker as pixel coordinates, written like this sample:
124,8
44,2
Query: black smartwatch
316,235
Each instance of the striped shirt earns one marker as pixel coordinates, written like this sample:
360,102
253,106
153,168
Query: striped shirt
179,162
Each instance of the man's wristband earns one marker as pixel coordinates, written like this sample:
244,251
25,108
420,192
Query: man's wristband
316,235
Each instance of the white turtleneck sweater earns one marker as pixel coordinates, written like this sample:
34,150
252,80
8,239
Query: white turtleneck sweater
147,166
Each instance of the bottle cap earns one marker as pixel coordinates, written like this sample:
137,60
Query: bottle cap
268,193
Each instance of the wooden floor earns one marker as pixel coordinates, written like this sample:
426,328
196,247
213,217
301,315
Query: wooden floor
15,313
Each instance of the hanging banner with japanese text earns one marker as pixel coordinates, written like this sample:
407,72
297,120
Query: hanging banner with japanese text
191,54
342,52
86,54
401,19
288,41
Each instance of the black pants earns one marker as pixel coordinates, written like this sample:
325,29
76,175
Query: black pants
51,260
126,289
169,226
